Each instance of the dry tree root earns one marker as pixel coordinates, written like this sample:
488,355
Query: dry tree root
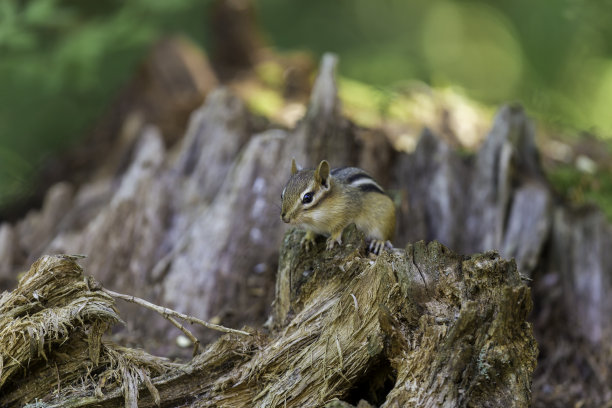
51,330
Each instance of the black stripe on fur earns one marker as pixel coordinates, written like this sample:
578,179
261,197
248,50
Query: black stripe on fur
370,188
356,177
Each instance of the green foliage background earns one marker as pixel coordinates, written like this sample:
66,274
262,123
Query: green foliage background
62,61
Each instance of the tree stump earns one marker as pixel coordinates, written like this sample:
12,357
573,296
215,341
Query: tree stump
420,326
194,226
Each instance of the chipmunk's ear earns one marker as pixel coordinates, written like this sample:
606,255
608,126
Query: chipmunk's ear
322,174
294,167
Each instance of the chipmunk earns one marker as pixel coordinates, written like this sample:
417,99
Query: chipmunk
325,202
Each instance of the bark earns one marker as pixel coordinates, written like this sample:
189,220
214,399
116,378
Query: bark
416,327
235,34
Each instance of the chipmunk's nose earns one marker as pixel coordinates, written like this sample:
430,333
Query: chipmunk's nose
284,218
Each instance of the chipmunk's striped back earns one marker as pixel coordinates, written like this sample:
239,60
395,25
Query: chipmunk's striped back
358,178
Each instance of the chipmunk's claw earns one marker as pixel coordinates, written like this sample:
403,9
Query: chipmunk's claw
377,245
331,241
308,241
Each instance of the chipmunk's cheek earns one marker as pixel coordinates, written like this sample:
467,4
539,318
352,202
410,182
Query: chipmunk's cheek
304,219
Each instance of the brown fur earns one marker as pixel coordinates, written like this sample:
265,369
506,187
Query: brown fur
336,204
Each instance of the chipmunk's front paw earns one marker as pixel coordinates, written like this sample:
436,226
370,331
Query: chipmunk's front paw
308,241
331,241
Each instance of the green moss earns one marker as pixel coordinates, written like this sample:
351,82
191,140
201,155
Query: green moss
264,101
363,103
583,188
271,74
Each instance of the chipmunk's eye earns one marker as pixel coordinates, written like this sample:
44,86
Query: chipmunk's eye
307,198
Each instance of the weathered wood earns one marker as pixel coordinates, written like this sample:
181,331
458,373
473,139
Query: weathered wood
498,199
7,251
501,199
195,226
418,326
